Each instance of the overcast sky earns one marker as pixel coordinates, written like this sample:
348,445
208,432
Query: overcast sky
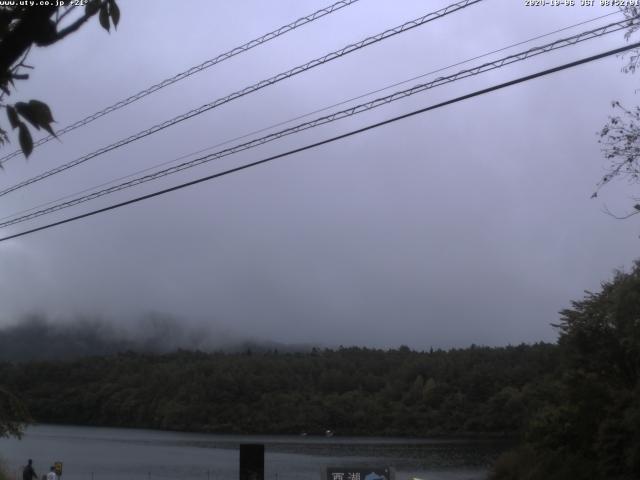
468,224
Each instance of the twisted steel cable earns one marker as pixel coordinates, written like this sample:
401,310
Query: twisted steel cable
363,107
187,73
253,88
300,117
326,141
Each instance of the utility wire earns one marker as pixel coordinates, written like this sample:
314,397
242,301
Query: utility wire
191,71
299,117
255,87
357,109
333,139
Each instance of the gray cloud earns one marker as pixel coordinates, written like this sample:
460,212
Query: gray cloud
468,224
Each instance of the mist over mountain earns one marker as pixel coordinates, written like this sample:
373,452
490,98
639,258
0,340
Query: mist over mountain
37,337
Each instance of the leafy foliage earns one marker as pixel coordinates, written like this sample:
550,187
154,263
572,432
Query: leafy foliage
620,143
13,415
21,28
632,13
589,427
575,406
350,390
620,137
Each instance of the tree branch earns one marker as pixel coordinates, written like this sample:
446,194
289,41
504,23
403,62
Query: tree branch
618,217
67,12
16,42
75,25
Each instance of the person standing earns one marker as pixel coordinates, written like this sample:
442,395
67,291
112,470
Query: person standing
28,473
52,474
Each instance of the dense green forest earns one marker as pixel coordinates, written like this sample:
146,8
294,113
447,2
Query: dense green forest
573,407
589,425
349,390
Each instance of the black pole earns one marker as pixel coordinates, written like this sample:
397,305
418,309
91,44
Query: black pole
252,462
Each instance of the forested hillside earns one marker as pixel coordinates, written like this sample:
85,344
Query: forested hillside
589,426
349,390
574,406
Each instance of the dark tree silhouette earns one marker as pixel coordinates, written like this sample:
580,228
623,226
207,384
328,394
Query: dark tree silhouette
22,28
589,426
13,414
620,137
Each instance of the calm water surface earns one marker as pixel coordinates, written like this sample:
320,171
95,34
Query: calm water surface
126,454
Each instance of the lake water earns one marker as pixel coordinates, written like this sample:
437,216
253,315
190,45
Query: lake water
126,454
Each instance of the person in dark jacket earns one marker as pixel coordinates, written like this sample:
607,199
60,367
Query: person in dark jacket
28,473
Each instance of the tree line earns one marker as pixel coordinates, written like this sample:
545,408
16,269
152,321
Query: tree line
572,408
352,391
589,425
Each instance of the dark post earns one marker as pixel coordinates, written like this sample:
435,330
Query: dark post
252,462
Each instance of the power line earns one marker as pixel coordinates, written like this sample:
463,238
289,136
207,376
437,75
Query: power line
191,71
330,118
299,117
357,109
255,87
333,139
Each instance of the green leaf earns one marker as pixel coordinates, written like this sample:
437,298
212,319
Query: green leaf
91,7
13,117
37,113
4,26
26,142
4,138
41,112
104,17
25,111
114,11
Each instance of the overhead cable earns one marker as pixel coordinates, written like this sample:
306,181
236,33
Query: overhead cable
299,117
332,139
354,110
253,88
191,71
